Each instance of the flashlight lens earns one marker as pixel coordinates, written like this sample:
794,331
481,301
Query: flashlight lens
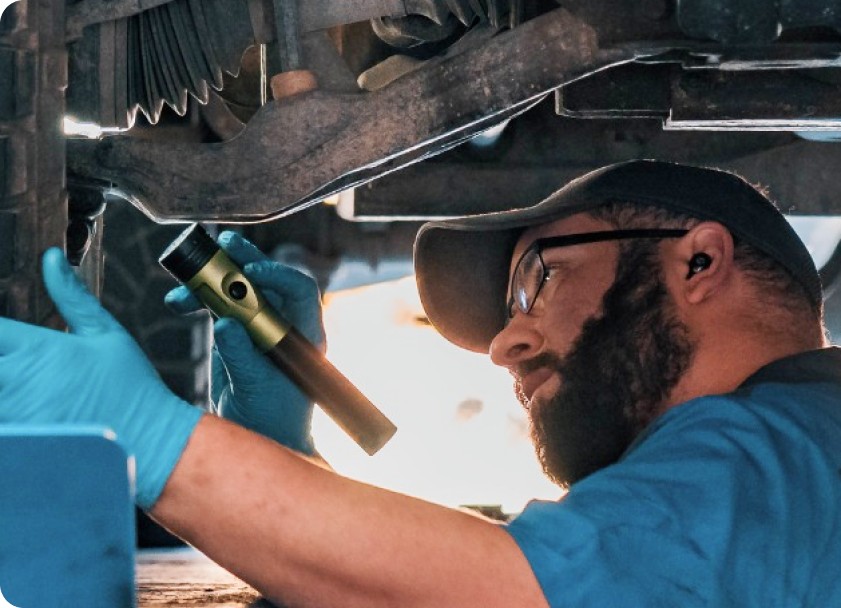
189,253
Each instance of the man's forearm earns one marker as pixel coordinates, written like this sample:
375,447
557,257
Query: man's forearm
305,536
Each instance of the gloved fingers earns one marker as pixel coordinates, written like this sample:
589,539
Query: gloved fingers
247,367
291,284
297,296
79,308
241,250
182,301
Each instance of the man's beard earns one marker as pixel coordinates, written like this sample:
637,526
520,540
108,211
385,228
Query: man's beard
616,377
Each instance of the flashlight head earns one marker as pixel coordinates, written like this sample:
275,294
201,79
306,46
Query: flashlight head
189,253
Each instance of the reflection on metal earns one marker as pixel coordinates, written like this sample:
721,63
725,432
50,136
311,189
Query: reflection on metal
822,136
488,138
88,130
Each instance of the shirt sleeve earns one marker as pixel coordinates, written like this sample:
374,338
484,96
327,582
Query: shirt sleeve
630,559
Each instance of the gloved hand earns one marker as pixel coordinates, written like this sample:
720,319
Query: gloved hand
245,386
94,375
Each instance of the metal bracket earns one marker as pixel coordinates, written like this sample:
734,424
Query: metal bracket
287,33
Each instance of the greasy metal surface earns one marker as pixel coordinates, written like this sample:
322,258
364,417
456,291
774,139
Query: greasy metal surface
632,91
89,12
288,34
747,95
801,174
748,21
320,14
295,152
534,157
33,201
755,100
314,15
186,578
629,21
410,31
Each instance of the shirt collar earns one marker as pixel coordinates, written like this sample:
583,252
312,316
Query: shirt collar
822,365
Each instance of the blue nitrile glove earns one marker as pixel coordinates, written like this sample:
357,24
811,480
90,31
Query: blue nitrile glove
245,386
94,375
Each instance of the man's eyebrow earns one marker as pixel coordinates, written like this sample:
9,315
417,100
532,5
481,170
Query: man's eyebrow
562,253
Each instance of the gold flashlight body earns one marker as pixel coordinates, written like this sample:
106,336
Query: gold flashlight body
221,287
196,261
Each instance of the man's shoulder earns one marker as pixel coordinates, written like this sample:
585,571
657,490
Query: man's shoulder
797,394
768,431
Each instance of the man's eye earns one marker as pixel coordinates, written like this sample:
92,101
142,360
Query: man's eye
554,270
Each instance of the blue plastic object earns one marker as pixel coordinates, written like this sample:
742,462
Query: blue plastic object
66,519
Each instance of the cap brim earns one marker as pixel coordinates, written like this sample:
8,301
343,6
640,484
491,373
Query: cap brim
462,265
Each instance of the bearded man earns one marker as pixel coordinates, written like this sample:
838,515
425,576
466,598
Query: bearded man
664,327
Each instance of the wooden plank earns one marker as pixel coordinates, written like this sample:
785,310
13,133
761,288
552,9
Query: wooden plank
185,577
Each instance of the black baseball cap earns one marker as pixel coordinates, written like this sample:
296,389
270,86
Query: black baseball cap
462,265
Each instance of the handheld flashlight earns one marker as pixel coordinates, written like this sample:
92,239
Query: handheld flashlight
197,262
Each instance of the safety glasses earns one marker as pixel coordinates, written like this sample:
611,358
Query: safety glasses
531,272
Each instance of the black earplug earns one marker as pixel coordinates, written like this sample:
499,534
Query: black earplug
698,263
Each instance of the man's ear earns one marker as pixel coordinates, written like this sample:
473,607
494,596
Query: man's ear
703,262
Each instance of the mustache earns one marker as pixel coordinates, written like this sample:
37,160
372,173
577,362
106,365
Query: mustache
544,359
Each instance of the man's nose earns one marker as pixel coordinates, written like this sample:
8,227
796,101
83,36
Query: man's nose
516,342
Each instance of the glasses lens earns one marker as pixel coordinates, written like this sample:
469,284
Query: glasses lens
526,280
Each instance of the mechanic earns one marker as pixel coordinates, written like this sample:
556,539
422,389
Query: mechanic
663,324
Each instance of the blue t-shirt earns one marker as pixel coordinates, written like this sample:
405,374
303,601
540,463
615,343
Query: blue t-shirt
725,501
